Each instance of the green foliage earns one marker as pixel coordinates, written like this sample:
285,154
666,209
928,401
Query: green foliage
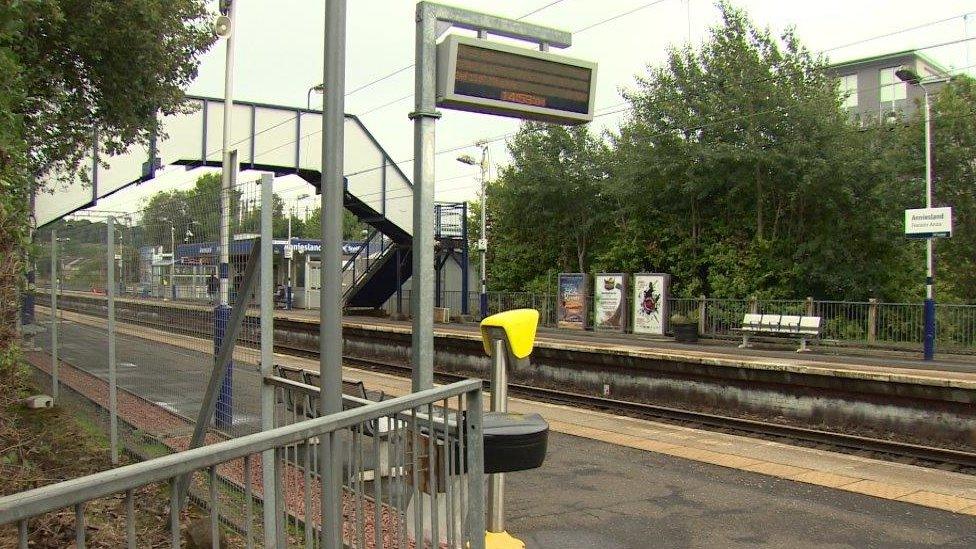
954,181
103,64
196,210
352,228
69,67
740,174
546,209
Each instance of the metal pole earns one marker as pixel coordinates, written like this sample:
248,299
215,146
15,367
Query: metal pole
225,187
54,314
27,310
172,262
465,297
499,403
267,357
929,342
224,414
112,381
290,254
484,233
424,117
330,308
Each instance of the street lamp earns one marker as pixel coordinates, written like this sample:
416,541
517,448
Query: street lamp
483,240
909,76
319,89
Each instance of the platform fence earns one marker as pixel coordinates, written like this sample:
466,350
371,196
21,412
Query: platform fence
150,369
863,323
411,471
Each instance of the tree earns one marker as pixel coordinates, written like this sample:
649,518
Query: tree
13,172
740,174
352,227
546,209
69,67
103,65
954,183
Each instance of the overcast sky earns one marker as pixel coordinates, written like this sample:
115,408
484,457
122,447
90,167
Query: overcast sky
279,56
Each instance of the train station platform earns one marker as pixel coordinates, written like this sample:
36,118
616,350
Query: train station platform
949,370
872,393
612,481
881,365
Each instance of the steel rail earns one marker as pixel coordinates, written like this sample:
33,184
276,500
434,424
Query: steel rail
836,439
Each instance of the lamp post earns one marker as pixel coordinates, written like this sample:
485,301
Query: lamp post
909,76
319,89
172,259
483,239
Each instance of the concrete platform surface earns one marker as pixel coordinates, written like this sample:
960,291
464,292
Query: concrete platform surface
166,363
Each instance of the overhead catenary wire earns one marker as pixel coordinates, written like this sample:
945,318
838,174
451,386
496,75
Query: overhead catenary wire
628,108
605,113
411,65
394,195
699,127
577,31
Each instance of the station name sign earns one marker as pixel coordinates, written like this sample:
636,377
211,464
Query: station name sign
494,78
928,222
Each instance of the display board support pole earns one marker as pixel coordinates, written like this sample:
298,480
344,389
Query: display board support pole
330,304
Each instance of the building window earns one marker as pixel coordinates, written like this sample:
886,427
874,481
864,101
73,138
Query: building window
893,92
848,91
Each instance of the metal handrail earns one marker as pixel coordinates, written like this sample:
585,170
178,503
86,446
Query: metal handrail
72,492
365,248
315,392
370,263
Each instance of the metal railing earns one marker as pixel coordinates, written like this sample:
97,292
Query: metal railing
363,260
424,450
872,323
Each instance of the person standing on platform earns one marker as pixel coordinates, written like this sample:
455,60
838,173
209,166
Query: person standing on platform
213,285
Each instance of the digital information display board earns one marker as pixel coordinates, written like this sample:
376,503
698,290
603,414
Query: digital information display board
494,78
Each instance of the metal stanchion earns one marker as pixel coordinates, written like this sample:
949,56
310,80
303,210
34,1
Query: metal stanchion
54,315
110,299
513,442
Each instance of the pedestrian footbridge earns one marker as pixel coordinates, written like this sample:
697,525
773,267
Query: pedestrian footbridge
280,139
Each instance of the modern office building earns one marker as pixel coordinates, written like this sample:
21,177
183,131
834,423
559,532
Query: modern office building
874,91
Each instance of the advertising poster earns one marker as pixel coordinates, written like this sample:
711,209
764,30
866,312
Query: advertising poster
609,302
572,300
650,303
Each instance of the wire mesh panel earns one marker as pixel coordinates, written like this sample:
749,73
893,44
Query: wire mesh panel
404,480
168,308
411,471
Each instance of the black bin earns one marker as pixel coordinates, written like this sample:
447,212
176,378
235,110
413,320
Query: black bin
514,442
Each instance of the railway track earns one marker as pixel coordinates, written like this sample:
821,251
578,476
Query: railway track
929,456
892,450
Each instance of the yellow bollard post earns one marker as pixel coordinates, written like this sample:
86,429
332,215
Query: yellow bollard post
507,336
